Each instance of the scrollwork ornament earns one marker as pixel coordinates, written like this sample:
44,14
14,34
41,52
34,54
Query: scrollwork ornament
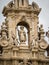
43,45
4,43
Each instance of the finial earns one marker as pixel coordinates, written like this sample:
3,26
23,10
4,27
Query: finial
41,28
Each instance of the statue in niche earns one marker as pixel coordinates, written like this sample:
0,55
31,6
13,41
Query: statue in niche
4,31
4,36
22,34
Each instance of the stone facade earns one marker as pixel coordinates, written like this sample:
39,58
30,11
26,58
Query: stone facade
18,47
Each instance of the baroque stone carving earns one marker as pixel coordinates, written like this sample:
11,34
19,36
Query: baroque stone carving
4,40
4,43
34,43
43,44
32,47
35,6
14,40
10,4
22,34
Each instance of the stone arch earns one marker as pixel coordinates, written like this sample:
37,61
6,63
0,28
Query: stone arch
24,20
24,24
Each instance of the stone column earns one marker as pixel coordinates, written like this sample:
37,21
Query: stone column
20,3
16,3
25,3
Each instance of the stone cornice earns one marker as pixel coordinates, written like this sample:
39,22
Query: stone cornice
20,9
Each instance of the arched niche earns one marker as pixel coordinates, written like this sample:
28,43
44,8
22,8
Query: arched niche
26,25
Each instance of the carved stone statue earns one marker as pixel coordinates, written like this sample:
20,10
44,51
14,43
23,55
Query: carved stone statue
41,28
22,34
35,43
4,30
4,40
4,35
14,40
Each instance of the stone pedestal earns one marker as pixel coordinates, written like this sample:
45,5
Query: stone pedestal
15,52
22,44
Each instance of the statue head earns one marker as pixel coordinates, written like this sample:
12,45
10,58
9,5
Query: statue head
22,27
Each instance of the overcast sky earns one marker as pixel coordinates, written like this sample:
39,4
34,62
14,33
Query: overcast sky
43,16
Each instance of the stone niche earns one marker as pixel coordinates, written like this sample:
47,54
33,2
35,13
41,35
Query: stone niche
26,32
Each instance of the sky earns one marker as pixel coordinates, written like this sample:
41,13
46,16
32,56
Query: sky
43,16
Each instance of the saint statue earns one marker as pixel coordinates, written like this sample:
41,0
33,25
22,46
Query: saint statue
22,34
